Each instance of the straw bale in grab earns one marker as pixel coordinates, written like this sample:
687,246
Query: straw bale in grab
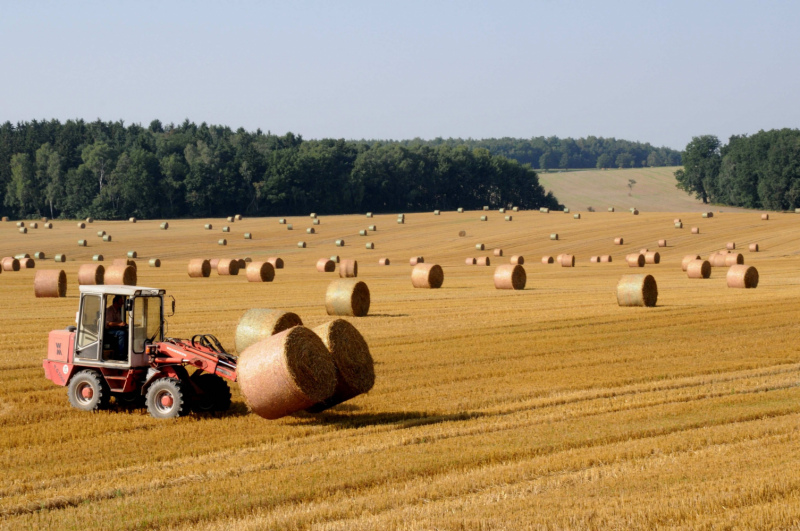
652,257
470,261
742,276
605,258
688,258
125,275
498,252
259,272
60,258
199,268
257,324
733,259
547,260
286,373
414,260
228,267
154,262
695,230
510,276
517,260
619,241
567,260
753,247
765,217
91,274
637,290
347,296
483,261
348,268
50,283
698,269
427,276
355,371
325,265
27,263
635,260
384,262
276,262
730,246
717,259
662,243
10,264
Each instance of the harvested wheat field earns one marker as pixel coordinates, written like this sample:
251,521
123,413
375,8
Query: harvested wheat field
547,407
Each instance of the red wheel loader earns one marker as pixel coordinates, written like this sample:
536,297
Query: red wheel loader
131,360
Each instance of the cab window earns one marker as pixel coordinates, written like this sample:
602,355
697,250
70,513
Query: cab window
91,320
146,321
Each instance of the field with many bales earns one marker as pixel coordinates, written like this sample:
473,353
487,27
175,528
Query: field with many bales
548,407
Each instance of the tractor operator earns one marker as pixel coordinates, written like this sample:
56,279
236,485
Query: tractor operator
116,327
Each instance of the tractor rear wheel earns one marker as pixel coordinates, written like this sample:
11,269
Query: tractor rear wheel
88,391
216,394
166,398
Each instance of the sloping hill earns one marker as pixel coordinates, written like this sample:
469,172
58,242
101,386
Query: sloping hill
654,190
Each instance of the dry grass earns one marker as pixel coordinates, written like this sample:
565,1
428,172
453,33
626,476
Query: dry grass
545,407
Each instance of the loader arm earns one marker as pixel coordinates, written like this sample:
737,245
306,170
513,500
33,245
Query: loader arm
204,357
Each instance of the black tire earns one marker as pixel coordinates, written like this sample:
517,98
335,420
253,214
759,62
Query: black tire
166,398
216,394
132,400
88,391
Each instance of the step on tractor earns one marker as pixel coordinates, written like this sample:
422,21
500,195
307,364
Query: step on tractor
119,351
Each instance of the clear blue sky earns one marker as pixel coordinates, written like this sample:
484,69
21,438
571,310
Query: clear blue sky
658,72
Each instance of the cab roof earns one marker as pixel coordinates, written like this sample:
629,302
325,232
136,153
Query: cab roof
119,289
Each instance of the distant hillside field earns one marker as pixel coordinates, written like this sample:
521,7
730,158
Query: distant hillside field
654,190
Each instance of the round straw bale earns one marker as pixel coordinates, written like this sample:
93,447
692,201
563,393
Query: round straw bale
605,258
5,219
325,265
619,241
734,259
282,221
301,245
427,276
517,260
348,268
567,260
82,243
554,236
27,263
199,268
238,217
637,290
679,225
401,221
226,229
89,220
498,252
652,257
23,230
50,283
164,226
483,261
635,260
566,210
101,233
688,258
373,228
480,246
107,238
33,225
21,256
753,247
369,214
258,324
460,210
347,296
576,216
248,236
315,222
462,233
717,259
132,254
11,264
223,241
39,255
208,226
132,220
695,230
154,262
339,243
20,223
242,263
594,259
662,243
313,215
310,230
370,245
501,210
355,372
510,276
484,218
230,218
286,373
635,211
335,258
60,258
81,225
362,232
384,262
509,218
486,207
45,219
611,209
97,258
544,210
436,212
259,272
121,275
470,261
742,276
276,262
698,269
730,246
414,260
91,274
765,217
708,214
558,258
48,225
228,267
515,209
547,259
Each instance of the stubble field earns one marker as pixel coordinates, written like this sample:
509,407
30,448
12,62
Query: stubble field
550,407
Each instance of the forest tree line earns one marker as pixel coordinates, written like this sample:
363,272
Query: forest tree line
112,171
758,171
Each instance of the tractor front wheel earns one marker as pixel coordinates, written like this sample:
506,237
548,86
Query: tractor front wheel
88,391
216,394
166,398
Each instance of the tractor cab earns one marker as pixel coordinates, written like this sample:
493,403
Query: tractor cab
114,323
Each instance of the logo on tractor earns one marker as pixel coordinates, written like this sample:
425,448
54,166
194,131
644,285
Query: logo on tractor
58,349
65,369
